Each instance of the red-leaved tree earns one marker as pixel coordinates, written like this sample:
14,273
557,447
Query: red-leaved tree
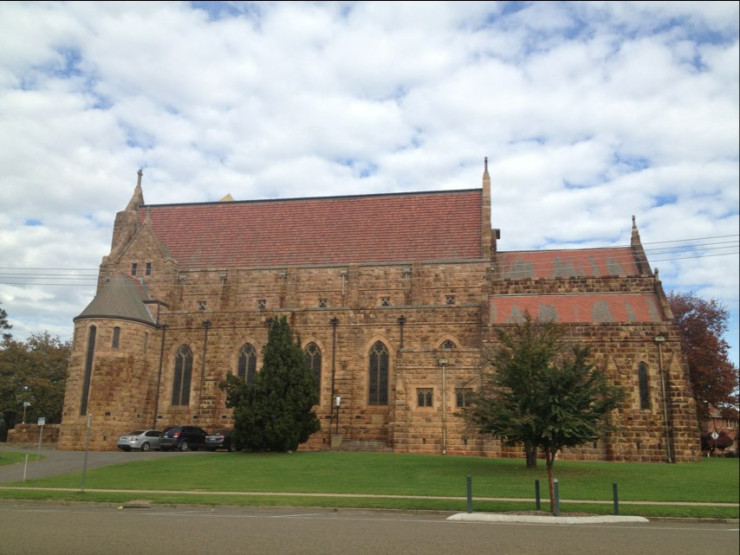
713,377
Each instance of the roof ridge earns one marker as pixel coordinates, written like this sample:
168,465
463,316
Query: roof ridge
574,249
333,197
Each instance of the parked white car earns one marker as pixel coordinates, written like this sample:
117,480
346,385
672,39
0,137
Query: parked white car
143,440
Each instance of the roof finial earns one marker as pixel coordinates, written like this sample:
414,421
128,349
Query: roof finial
633,221
138,197
485,164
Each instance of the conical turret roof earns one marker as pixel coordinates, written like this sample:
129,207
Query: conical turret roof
119,297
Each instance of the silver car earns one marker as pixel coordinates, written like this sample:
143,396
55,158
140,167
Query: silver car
143,440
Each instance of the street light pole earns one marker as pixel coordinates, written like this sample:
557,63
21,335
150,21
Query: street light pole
26,404
339,404
334,322
443,363
163,327
659,340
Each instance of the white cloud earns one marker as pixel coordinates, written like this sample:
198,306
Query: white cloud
589,113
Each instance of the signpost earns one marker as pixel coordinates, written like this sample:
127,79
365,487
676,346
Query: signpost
87,448
41,423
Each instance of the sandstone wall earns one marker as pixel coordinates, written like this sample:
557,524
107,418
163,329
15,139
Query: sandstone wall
423,313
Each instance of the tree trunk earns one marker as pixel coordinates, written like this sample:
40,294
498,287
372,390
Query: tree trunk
550,458
530,451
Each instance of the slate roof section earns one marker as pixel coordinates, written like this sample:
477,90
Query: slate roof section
401,227
120,297
592,308
610,261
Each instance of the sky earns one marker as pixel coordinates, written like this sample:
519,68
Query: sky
589,113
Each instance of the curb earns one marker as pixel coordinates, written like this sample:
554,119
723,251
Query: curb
492,517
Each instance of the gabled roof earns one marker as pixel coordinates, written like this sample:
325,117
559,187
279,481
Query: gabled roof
613,261
577,308
403,227
119,297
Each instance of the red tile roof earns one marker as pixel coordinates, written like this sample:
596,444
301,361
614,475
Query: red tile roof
577,308
615,261
442,225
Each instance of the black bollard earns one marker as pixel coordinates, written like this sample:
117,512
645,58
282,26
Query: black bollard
557,497
616,499
537,495
470,494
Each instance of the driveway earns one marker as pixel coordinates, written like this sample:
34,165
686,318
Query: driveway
55,462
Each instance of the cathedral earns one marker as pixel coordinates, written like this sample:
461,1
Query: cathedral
395,298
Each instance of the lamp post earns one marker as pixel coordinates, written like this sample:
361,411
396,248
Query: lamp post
163,327
26,404
206,326
443,363
339,404
334,322
659,340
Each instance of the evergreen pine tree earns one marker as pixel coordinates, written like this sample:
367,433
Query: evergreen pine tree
275,412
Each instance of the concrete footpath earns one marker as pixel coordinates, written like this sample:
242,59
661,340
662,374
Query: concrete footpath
55,463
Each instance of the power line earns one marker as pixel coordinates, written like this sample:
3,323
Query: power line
689,240
82,277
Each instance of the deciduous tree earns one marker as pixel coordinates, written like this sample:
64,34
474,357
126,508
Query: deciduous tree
714,378
275,413
4,325
540,392
34,372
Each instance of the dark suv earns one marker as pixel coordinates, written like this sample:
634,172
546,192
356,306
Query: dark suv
183,438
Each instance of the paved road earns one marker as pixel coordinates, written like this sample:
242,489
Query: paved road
81,529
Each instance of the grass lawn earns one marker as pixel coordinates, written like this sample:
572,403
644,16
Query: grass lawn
338,479
10,457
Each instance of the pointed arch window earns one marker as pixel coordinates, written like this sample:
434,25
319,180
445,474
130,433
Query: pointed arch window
378,375
89,358
642,378
313,357
183,376
247,368
449,345
247,363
